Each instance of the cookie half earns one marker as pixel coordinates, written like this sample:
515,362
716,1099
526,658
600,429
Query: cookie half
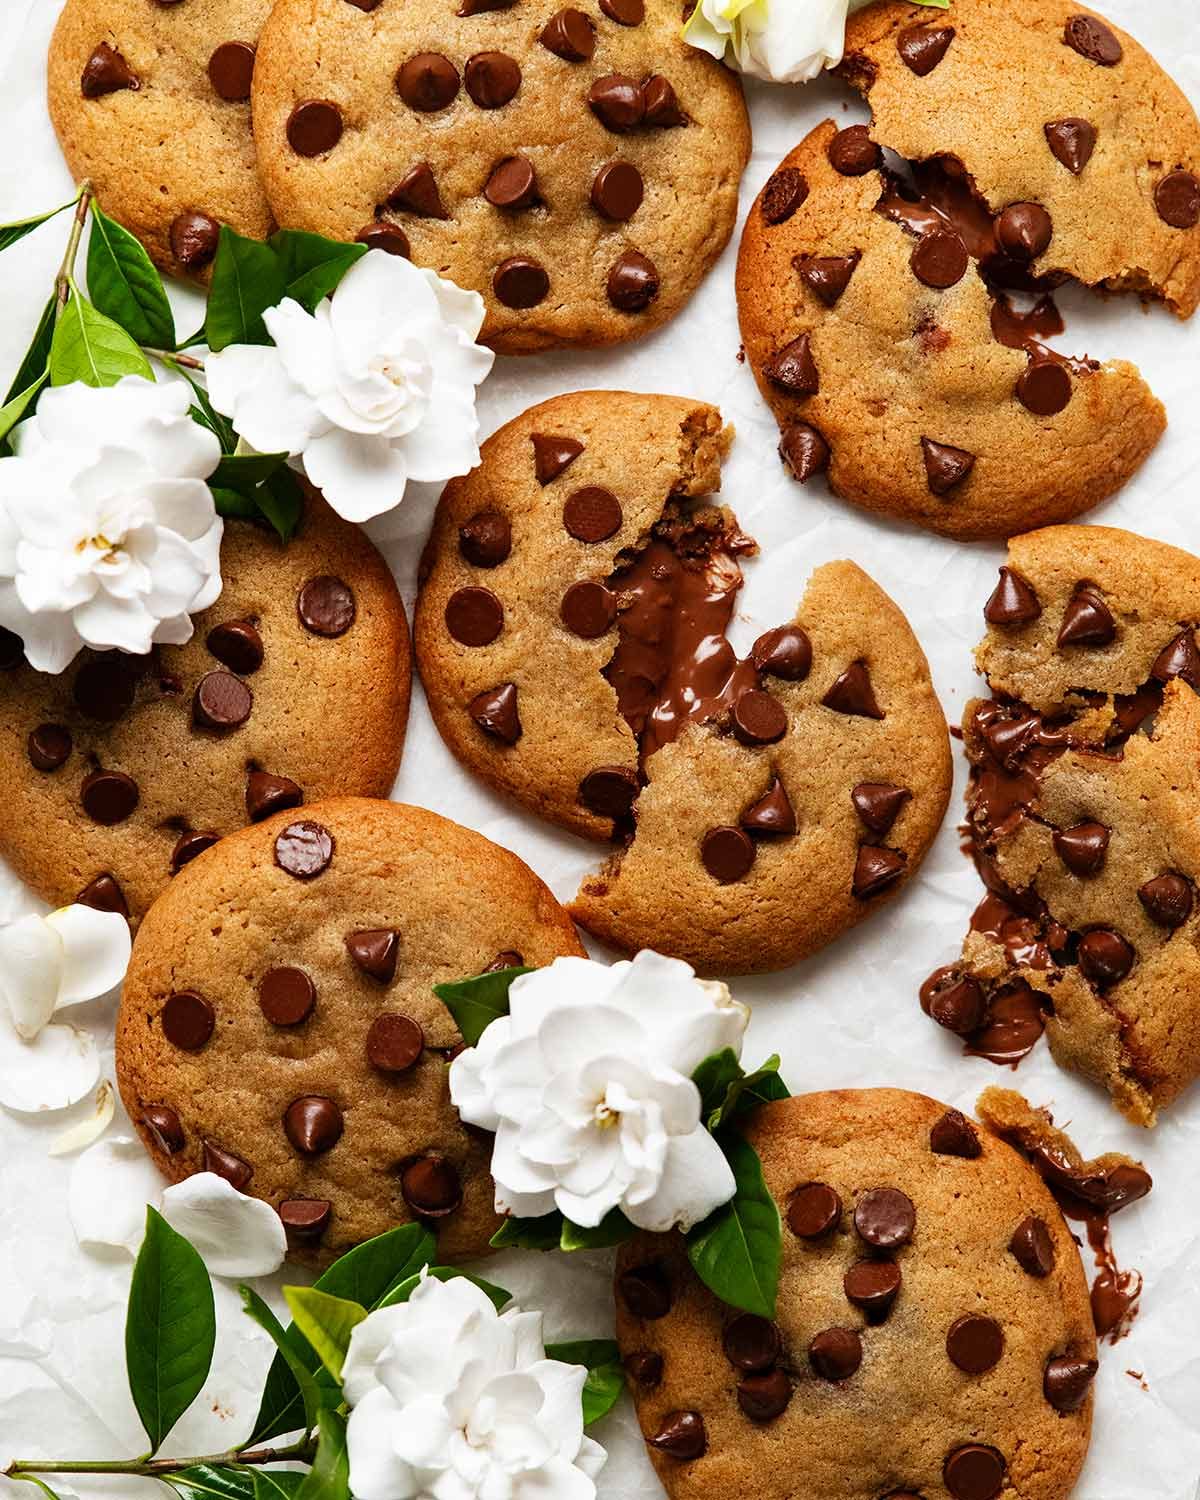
933,1335
278,1024
294,686
577,167
151,101
1082,813
895,282
571,637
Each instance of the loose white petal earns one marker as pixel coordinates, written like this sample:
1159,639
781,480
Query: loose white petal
58,1069
235,1235
89,1129
32,961
96,948
111,1185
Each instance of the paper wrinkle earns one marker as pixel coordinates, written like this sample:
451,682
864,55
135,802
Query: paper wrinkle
849,1017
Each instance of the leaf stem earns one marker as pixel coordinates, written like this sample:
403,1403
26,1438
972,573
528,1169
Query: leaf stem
303,1451
169,358
63,281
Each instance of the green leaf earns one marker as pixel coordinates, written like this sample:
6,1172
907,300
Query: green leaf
402,1291
305,1380
613,1229
606,1376
124,284
37,356
936,4
88,346
245,472
329,1477
735,1251
281,501
204,1480
744,1094
205,412
19,228
312,265
476,1003
40,1483
277,1484
326,1322
529,1234
170,1328
231,503
364,1275
247,278
13,411
714,1077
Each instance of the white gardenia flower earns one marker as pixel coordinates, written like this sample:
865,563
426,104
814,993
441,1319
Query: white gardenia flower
587,1084
782,41
451,1400
374,389
46,964
108,532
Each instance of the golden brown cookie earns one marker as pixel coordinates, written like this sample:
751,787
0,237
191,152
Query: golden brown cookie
294,687
278,1024
895,281
932,1338
150,100
1085,779
571,637
578,167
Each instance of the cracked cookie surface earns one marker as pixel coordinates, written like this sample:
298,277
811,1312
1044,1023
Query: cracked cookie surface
571,637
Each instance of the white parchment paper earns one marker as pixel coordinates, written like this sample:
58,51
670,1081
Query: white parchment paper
847,1018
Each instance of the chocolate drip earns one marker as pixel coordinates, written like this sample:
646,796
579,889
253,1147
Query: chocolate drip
1026,330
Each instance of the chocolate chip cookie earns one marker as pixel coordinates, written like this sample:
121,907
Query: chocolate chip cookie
571,636
578,167
151,101
932,1336
278,1024
294,686
1082,814
895,282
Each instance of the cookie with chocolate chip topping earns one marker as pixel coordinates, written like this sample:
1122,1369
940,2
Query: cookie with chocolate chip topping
152,103
578,167
278,1024
294,687
923,1358
1081,810
579,663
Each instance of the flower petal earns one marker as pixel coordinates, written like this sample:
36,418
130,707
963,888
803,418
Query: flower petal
696,1179
58,1069
235,1235
110,1187
32,960
359,475
96,947
377,1472
90,1128
250,384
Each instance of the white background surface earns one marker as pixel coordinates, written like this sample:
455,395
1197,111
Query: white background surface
849,1017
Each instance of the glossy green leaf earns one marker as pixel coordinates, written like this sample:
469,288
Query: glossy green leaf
736,1250
281,501
19,228
475,1003
404,1290
170,1328
326,1322
714,1077
606,1376
746,1093
544,1233
210,1482
306,1383
230,503
37,356
613,1229
312,265
124,283
329,1477
20,406
277,1484
247,278
89,347
245,471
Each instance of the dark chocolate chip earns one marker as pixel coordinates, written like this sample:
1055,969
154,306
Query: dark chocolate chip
974,1472
1168,899
785,652
314,127
1177,199
878,803
304,850
552,455
106,72
814,1208
305,1220
758,718
771,814
609,791
286,996
495,711
1091,38
1072,141
231,70
236,645
104,894
387,237
617,102
164,1127
428,82
313,1124
793,368
188,846
512,184
645,1368
482,7
852,152
875,869
49,747
885,1218
940,258
375,950
109,797
945,467
954,1000
751,1342
764,1397
592,514
569,34
646,1292
873,1285
187,1020
681,1435
485,540
785,191
431,1187
225,1164
267,794
221,702
727,854
492,79
624,12
104,687
663,110
1024,231
474,616
1013,601
921,48
835,1353
804,450
617,191
194,239
1067,1381
394,1043
326,606
1105,957
1179,659
1032,1247
1044,388
975,1343
633,282
954,1135
588,609
520,282
509,959
1083,849
417,193
852,693
827,276
1087,619
12,650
